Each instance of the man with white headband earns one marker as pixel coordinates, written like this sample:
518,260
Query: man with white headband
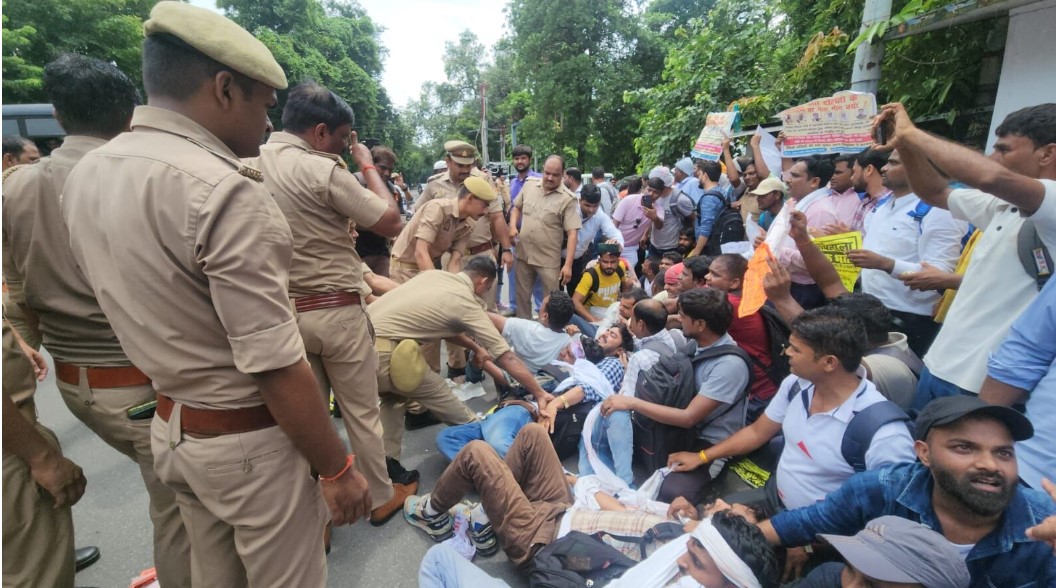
723,551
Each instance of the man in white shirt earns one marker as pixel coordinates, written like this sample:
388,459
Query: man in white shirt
901,233
1014,185
813,409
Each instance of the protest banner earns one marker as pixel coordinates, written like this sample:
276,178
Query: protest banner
718,127
835,247
753,296
841,123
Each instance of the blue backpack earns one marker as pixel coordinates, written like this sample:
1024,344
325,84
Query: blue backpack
860,431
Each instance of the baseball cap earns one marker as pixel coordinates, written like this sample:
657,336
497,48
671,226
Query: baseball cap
894,549
945,410
685,165
663,174
768,185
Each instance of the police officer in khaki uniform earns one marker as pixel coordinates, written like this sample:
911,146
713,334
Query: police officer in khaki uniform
438,227
97,381
437,305
40,485
304,172
461,163
550,213
188,256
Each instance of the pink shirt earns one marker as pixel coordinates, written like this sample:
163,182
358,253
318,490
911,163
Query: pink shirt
630,220
846,205
820,212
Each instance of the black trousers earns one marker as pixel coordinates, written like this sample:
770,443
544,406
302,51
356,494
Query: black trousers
920,330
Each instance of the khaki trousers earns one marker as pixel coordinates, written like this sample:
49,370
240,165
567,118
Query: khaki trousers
253,511
525,276
340,345
105,412
38,538
434,394
523,495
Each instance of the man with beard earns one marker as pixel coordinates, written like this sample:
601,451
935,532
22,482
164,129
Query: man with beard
595,223
964,486
868,181
598,289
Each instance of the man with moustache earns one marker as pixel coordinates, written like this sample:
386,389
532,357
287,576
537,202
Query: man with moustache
965,486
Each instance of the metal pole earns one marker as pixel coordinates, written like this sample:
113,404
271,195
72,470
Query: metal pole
865,76
484,124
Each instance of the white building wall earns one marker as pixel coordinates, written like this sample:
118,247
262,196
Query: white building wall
1028,72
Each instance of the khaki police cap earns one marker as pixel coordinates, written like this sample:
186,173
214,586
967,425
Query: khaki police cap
217,37
461,152
480,188
407,367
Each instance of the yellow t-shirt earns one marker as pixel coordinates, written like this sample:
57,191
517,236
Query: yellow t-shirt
605,295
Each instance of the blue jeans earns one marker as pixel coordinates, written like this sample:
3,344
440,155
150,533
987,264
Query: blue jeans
931,387
443,567
499,430
587,328
613,440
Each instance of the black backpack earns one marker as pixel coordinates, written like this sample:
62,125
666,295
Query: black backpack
777,332
568,429
728,227
577,560
672,382
596,279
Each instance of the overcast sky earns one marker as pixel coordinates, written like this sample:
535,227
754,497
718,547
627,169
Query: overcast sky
415,33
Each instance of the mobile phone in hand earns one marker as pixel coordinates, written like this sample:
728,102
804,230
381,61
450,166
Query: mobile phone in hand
884,131
647,201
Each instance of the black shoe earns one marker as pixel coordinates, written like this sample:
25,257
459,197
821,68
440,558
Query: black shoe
336,412
413,422
85,556
398,474
453,372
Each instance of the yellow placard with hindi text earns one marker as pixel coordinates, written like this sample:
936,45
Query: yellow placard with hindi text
835,248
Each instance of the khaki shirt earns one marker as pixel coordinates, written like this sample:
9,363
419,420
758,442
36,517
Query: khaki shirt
319,197
19,382
438,223
545,217
435,304
441,186
188,257
39,264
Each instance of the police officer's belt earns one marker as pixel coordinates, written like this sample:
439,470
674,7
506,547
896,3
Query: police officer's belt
101,377
328,300
217,422
481,248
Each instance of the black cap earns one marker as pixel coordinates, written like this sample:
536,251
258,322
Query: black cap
945,410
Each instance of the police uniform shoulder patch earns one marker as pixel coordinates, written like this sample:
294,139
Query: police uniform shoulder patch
251,173
11,170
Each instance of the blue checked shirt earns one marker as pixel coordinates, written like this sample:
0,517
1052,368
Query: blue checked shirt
612,369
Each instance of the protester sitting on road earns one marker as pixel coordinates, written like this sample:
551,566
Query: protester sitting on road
965,486
672,283
526,500
579,385
536,343
598,289
612,436
813,409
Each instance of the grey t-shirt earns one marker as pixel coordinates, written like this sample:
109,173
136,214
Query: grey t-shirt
723,379
676,207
